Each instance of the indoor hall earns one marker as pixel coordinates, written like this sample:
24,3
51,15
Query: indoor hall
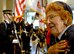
23,26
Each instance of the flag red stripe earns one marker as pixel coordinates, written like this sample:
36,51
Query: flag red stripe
24,6
19,4
17,10
22,1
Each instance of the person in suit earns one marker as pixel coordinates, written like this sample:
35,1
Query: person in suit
59,19
3,38
23,37
4,34
10,27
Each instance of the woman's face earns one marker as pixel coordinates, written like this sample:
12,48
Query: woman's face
55,23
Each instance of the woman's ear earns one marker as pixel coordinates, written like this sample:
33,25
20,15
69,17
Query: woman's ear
65,22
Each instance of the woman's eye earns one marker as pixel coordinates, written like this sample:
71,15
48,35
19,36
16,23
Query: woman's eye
52,16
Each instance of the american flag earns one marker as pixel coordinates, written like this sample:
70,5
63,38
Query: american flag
36,6
19,7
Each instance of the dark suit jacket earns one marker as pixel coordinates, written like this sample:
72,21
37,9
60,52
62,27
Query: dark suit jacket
3,34
69,36
4,39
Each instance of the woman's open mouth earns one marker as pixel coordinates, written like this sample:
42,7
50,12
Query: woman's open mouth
51,25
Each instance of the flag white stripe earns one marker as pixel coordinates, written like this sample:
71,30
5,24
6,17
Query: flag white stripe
19,8
23,4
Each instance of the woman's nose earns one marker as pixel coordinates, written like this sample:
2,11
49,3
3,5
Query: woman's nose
48,21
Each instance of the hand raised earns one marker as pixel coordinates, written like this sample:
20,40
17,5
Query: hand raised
58,47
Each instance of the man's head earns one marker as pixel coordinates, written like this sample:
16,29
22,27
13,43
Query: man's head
7,15
7,12
58,16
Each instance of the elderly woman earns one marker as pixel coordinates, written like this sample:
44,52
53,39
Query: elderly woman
59,20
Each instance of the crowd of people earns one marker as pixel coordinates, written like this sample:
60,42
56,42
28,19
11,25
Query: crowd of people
11,30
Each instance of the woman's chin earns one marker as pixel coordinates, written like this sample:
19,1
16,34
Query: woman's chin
55,33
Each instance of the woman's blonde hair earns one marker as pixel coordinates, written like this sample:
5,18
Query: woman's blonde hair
59,8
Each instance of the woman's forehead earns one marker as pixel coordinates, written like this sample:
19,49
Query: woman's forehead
51,13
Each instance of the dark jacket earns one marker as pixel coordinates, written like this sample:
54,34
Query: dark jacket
69,36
